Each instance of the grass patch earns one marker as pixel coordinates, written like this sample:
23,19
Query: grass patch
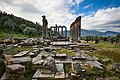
4,33
65,51
106,50
17,50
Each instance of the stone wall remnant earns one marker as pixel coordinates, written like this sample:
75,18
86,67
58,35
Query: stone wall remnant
75,29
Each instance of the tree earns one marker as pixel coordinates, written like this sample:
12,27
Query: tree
9,25
22,27
30,31
118,38
111,39
96,39
34,32
0,24
3,19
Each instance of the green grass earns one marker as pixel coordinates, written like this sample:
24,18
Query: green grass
106,50
4,33
17,50
65,51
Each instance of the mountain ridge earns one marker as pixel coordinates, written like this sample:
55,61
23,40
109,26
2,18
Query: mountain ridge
85,32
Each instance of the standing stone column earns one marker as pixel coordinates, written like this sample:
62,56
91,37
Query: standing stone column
62,31
45,25
56,31
65,31
79,28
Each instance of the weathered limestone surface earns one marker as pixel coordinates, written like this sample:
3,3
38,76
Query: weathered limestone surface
39,75
75,29
15,67
15,71
21,54
20,60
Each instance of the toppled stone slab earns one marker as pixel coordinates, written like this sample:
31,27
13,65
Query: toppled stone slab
63,62
86,56
94,64
39,75
20,60
15,71
60,75
36,59
59,55
15,67
65,43
76,68
78,56
21,54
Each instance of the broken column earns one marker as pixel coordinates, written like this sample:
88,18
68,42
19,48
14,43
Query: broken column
15,72
75,29
45,25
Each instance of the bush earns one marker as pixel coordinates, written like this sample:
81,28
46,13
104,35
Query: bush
9,25
22,27
30,31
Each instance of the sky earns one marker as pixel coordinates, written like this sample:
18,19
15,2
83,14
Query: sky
100,15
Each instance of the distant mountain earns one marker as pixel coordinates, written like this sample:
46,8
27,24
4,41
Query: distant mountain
95,33
108,33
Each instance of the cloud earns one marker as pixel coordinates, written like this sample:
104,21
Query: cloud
88,6
56,11
59,12
106,19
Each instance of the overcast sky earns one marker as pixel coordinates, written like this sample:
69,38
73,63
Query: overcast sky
101,15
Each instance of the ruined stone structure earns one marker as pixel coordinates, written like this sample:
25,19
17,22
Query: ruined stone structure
75,29
45,25
58,31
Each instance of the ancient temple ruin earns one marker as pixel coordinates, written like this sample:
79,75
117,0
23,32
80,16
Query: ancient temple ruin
75,29
45,25
58,32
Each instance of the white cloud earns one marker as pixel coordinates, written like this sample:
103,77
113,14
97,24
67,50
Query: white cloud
107,19
56,11
90,5
59,12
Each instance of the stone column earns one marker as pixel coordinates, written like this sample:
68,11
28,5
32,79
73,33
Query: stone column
65,31
54,31
51,32
79,30
62,31
45,25
58,31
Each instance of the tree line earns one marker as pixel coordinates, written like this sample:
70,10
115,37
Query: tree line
97,39
10,23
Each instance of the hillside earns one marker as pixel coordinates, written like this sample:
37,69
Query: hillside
10,24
